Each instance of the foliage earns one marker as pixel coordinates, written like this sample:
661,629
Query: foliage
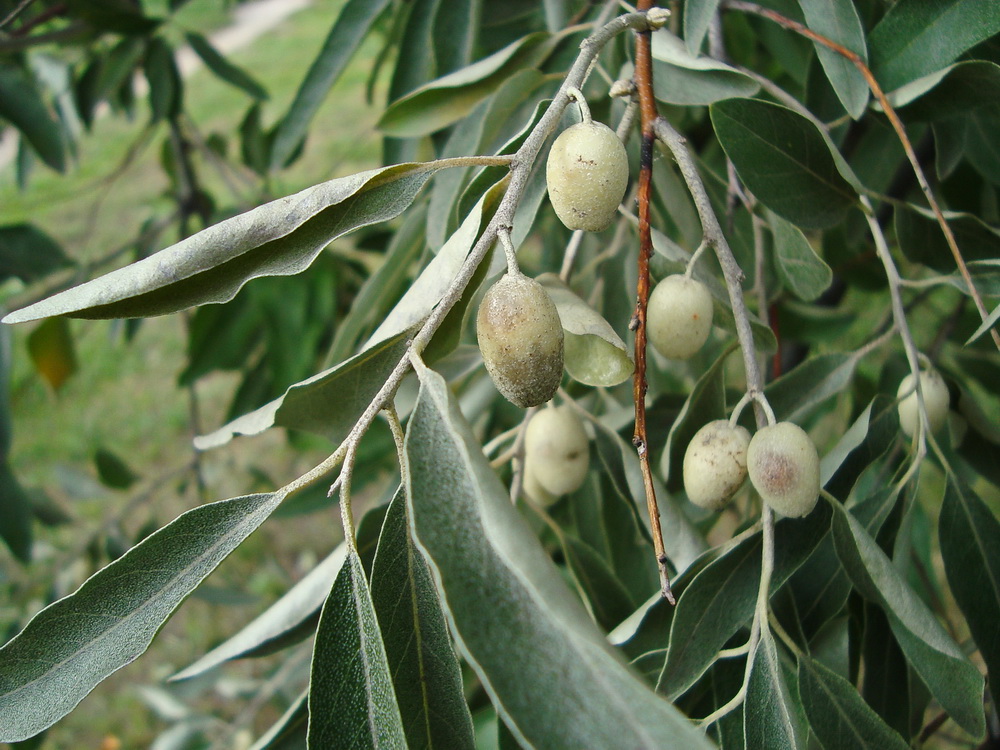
813,163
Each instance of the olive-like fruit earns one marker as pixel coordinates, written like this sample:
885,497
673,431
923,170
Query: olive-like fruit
784,468
556,450
521,340
533,488
936,400
679,316
587,175
715,464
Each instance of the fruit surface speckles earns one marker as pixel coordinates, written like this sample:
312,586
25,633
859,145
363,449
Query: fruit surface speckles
587,175
556,450
936,399
715,464
679,317
521,340
784,468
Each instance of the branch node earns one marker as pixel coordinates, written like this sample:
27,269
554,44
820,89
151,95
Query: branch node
657,17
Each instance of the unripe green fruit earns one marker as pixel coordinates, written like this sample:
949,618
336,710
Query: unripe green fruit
587,175
715,464
784,468
556,450
679,316
936,399
521,340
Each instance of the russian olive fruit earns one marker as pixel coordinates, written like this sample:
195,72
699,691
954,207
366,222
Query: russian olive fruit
715,464
521,340
784,468
587,175
936,400
556,451
679,316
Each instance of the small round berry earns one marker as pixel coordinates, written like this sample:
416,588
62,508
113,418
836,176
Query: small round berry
784,468
715,464
936,399
521,339
556,450
679,316
587,175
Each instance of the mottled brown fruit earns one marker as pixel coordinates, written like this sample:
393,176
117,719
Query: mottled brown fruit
556,450
521,340
784,468
715,464
587,175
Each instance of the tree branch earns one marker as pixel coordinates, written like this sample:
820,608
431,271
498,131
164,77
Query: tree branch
643,78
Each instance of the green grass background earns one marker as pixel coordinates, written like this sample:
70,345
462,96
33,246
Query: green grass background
124,396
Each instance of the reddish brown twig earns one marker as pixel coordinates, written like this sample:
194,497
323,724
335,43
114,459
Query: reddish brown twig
897,125
648,114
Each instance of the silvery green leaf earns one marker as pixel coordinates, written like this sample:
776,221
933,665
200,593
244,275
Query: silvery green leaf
595,354
280,238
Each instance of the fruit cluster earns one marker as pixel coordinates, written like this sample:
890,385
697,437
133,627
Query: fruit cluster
780,459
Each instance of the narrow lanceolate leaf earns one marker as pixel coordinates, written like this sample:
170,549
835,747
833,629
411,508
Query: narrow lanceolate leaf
29,253
517,623
680,77
422,661
349,30
22,106
52,352
448,99
797,393
280,238
968,533
839,22
351,700
73,644
720,599
224,69
917,37
771,717
432,283
288,732
15,514
784,160
280,622
838,715
801,270
952,679
595,353
328,403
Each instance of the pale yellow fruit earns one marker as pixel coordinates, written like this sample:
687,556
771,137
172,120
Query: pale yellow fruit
784,468
534,490
587,175
679,317
521,340
715,464
556,450
936,399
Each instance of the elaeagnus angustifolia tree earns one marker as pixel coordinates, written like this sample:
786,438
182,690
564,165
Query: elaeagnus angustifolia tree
627,259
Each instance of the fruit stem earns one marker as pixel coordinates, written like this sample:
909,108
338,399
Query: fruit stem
689,271
503,233
899,314
577,96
